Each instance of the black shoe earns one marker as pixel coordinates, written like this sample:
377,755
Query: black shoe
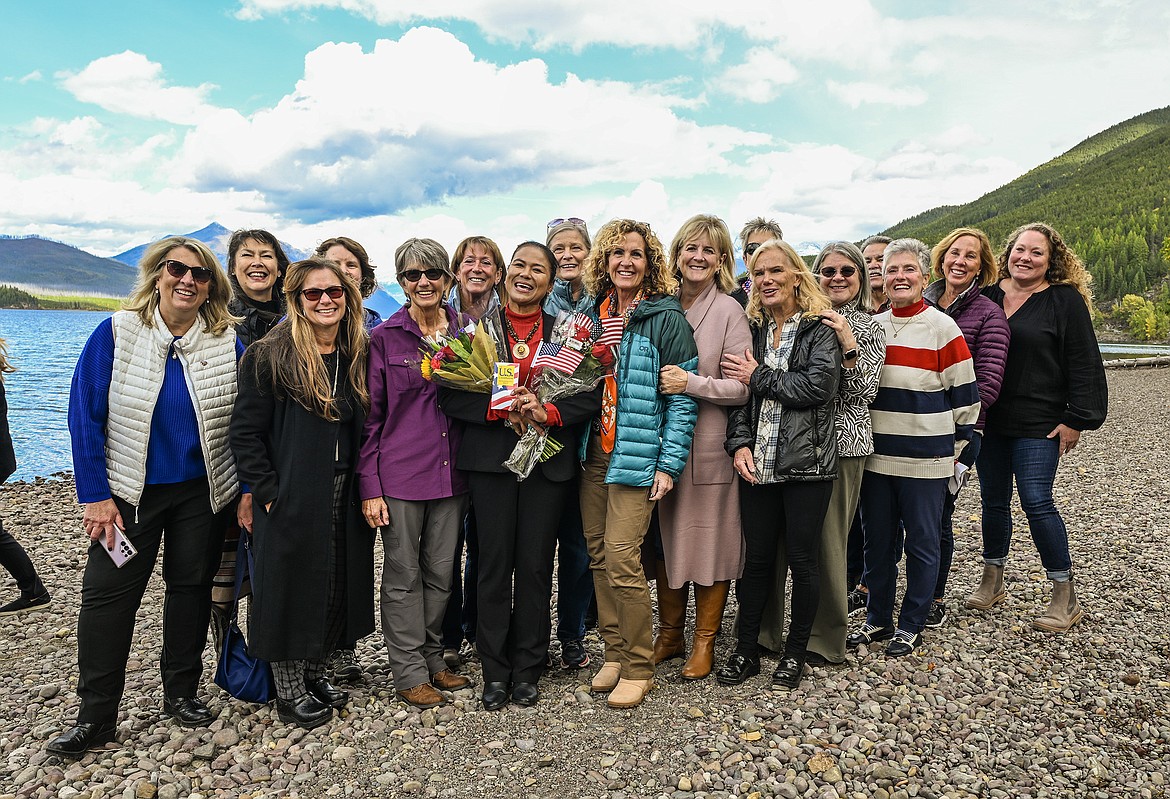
858,599
74,743
327,692
26,604
868,634
495,695
817,659
188,711
788,672
903,644
573,654
343,663
525,693
307,712
738,668
937,615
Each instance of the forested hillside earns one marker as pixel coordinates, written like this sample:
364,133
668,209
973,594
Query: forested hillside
1108,198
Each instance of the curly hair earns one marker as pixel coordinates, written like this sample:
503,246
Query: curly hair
369,281
988,268
1065,267
143,300
810,297
716,230
658,279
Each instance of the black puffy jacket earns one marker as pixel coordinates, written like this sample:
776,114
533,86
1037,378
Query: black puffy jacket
808,441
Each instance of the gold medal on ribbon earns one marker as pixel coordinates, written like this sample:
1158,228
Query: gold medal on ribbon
519,350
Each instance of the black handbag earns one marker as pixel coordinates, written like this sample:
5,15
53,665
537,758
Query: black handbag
239,673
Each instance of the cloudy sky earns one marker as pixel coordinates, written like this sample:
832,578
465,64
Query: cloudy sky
382,119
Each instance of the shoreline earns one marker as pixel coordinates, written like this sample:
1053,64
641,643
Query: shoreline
986,707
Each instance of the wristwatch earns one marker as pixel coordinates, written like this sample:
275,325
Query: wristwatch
849,353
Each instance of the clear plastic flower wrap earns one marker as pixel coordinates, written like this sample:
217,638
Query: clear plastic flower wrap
564,365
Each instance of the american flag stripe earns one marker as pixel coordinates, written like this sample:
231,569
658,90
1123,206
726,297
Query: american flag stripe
555,356
611,331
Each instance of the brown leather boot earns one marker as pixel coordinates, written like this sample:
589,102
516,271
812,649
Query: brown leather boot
990,591
672,617
1063,611
709,603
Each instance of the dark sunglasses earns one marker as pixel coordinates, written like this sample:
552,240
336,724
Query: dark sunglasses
831,271
414,275
750,249
176,269
572,220
314,295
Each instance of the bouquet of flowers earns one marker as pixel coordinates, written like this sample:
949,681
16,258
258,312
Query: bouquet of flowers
464,360
564,365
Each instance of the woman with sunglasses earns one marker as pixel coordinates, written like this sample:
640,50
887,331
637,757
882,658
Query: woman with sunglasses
840,270
965,264
295,433
148,416
753,235
410,489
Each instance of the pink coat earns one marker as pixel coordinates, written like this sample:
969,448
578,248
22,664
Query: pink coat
699,519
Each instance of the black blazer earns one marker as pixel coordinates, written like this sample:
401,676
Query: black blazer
486,445
7,453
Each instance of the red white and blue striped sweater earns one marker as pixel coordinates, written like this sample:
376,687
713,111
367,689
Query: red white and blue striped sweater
927,401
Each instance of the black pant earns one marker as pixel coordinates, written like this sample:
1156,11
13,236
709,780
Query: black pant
517,524
790,515
110,597
16,561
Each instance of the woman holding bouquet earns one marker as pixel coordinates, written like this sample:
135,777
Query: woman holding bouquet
517,520
638,445
701,538
410,489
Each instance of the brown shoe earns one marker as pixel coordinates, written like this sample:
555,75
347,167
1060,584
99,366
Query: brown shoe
448,680
422,695
990,591
1063,611
709,603
672,615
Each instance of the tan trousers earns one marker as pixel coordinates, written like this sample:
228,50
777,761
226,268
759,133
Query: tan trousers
831,624
615,519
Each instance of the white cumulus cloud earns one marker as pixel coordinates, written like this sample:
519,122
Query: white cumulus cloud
130,83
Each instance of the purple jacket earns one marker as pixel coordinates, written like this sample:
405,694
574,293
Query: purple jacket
408,444
985,327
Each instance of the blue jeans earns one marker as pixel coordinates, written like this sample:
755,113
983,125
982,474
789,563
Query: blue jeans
574,579
1032,462
891,504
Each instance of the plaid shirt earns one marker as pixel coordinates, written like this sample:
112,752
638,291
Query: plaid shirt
768,429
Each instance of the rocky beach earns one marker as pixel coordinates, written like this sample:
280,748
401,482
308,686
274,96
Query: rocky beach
986,707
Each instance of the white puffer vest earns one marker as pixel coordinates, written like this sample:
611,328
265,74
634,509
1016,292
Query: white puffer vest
140,356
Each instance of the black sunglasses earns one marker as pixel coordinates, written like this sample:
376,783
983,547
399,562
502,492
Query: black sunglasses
414,275
176,269
314,295
831,271
750,249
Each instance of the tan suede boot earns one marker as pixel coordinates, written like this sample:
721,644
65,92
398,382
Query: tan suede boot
606,679
709,603
990,591
1063,611
629,693
672,617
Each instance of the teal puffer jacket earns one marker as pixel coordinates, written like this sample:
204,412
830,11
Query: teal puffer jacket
653,430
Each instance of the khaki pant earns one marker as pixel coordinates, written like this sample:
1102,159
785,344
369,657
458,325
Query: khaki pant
615,518
831,622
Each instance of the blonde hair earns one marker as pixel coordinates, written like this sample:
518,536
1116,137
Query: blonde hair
810,297
290,351
1065,267
658,280
716,230
143,300
6,366
988,269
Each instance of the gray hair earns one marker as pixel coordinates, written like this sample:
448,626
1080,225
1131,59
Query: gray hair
753,226
914,247
421,254
850,251
875,240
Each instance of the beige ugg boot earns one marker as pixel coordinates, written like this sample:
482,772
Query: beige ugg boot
630,693
1063,611
606,679
990,591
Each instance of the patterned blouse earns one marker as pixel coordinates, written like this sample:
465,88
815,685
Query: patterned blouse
859,385
768,429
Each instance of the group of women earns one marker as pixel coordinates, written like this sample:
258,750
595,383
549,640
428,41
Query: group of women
724,443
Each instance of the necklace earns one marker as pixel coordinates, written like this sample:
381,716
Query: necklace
899,328
520,348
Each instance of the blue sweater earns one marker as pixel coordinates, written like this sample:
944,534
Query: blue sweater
173,453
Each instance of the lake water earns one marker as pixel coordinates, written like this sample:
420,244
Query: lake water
45,345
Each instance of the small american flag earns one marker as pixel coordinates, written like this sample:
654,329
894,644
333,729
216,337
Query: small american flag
556,356
611,331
